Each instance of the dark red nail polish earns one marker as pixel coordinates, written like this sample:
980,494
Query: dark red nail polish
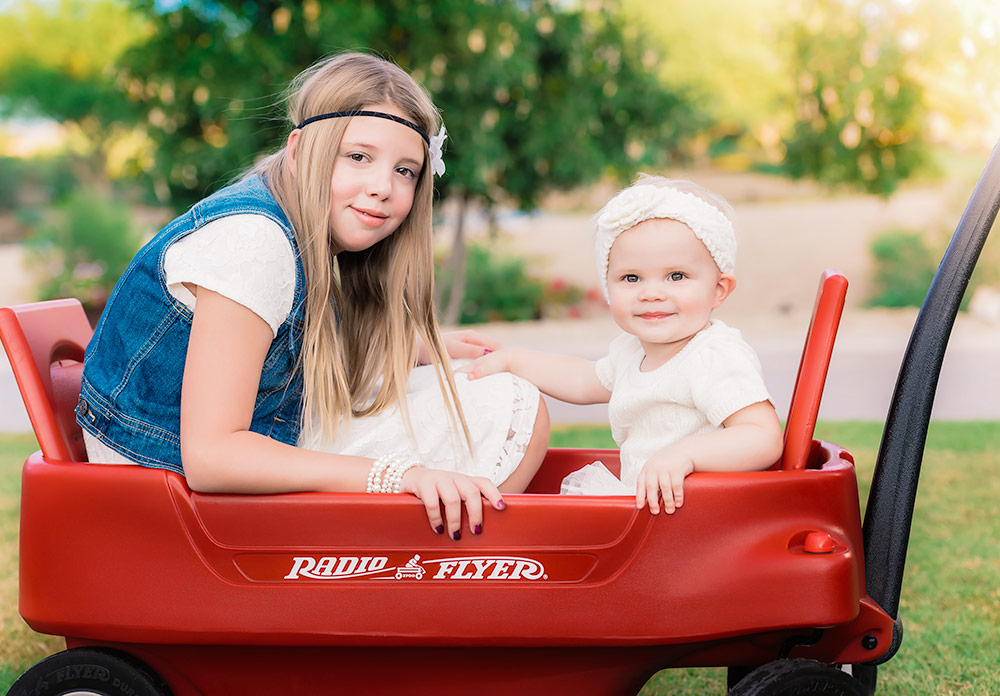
439,529
456,535
478,529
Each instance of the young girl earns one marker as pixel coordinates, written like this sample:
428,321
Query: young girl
685,391
290,309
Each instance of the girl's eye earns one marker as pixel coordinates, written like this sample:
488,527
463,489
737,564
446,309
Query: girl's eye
407,172
630,278
356,156
677,275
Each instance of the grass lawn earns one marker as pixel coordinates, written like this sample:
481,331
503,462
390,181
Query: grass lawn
951,593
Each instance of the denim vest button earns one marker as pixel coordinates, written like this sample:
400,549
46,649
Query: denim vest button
84,408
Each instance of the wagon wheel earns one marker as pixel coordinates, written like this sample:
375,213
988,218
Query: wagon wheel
798,677
89,672
866,674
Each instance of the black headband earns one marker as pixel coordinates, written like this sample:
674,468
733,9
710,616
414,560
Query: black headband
376,114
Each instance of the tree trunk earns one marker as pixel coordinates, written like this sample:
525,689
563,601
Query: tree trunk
456,264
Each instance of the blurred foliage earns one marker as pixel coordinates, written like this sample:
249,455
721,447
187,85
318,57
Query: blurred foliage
83,246
859,112
726,55
904,264
733,57
497,287
33,182
56,62
535,95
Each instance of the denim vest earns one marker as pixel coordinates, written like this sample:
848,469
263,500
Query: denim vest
130,395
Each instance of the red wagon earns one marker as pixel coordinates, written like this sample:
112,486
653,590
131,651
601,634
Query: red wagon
159,590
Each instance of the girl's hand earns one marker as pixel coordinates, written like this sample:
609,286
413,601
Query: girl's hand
468,344
664,475
437,489
489,364
459,344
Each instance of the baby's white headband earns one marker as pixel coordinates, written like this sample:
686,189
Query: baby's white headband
646,202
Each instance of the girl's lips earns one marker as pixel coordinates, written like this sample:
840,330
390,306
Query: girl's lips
655,315
370,218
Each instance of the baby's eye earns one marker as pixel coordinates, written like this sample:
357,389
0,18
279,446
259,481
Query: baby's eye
630,278
677,275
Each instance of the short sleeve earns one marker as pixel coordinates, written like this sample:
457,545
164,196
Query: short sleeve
605,373
247,258
725,379
621,350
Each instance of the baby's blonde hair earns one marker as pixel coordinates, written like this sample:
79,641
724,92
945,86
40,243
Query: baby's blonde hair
384,294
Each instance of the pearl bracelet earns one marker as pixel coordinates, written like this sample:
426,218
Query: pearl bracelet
386,474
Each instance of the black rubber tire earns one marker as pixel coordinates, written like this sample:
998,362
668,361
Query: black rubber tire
90,671
798,677
864,673
734,675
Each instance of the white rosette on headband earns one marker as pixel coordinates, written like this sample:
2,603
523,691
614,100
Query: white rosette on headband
435,147
647,202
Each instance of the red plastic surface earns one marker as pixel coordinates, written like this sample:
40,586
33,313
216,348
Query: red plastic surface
45,342
808,392
244,594
131,557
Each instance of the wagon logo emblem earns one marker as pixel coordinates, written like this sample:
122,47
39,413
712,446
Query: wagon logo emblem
412,569
452,568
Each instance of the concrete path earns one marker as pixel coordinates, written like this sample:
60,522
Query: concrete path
863,370
862,375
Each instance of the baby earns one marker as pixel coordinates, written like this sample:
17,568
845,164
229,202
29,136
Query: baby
685,391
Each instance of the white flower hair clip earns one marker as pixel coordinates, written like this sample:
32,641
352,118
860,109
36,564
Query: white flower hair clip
434,144
435,147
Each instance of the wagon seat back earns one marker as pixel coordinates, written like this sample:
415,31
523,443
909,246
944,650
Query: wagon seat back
813,367
45,343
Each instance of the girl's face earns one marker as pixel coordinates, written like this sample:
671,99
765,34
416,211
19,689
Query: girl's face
374,179
663,285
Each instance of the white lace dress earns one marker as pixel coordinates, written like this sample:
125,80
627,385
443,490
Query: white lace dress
248,259
499,410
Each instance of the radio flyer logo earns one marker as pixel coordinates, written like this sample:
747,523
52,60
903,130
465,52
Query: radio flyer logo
505,568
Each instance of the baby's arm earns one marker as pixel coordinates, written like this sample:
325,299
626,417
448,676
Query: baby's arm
563,377
751,440
221,455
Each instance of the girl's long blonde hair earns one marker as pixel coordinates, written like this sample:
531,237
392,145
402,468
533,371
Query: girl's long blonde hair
384,294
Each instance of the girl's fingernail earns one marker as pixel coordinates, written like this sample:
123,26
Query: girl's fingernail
486,351
456,535
478,529
439,529
501,504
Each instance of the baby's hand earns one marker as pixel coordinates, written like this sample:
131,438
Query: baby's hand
489,364
663,473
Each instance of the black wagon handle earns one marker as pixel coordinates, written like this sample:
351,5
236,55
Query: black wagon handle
889,511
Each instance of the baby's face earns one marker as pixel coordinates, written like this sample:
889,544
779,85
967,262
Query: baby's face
663,285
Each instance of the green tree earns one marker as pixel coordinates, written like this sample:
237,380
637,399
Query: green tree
725,54
55,63
858,109
536,96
